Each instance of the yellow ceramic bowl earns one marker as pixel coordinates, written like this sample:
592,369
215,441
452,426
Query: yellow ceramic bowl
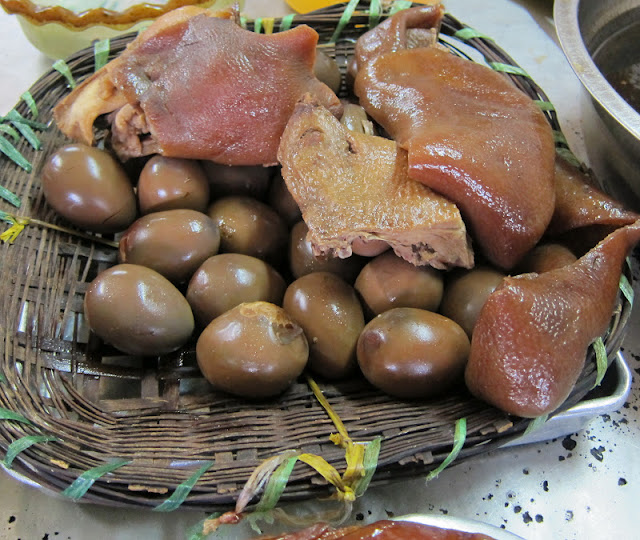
61,28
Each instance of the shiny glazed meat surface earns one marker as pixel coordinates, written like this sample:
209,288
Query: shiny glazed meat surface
530,342
470,135
242,88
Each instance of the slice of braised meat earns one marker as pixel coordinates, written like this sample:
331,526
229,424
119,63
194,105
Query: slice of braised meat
471,134
530,341
352,186
197,85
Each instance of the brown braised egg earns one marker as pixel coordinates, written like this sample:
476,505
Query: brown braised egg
389,281
173,242
169,183
249,226
328,310
254,350
303,261
138,311
466,292
413,353
90,188
226,280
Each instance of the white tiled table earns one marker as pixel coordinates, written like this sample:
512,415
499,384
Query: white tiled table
584,486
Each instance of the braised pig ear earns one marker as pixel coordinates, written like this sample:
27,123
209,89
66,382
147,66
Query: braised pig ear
530,342
352,186
201,87
402,31
583,211
471,135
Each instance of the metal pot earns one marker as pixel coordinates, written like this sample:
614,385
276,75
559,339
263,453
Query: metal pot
598,36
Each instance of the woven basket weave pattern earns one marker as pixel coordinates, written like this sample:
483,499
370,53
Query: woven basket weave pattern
158,414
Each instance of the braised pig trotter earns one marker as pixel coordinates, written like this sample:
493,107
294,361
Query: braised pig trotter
199,86
530,341
353,186
470,134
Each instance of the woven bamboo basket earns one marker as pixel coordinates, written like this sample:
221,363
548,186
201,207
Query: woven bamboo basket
136,428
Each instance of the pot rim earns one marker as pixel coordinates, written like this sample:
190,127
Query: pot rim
565,14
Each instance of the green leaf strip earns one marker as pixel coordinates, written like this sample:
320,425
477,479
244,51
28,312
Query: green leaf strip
61,67
101,51
626,288
6,414
467,33
257,25
21,444
12,153
10,197
508,68
544,105
18,121
459,436
399,5
559,138
276,485
286,22
568,156
375,11
536,423
81,485
3,379
31,103
18,118
344,20
182,491
602,360
12,132
370,463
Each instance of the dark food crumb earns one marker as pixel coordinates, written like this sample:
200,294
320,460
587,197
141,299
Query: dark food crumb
444,511
517,509
46,536
12,519
545,485
359,516
525,471
622,482
568,515
389,513
597,453
568,443
539,518
526,517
